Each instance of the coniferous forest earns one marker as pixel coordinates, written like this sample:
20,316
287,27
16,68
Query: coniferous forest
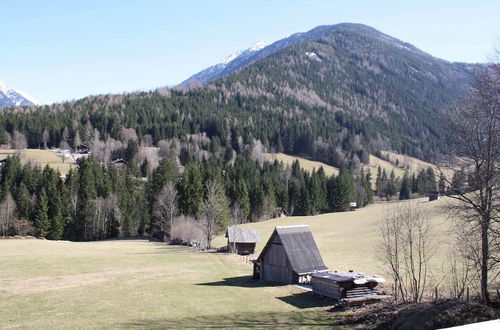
360,93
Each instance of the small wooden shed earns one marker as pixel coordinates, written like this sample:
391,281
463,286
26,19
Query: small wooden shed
290,256
434,196
242,240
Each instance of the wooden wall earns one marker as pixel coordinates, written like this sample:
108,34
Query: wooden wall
241,248
275,265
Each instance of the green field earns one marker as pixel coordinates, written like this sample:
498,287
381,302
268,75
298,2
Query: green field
137,283
41,158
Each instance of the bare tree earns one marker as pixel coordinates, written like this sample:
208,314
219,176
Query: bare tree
76,140
19,141
215,211
64,145
165,209
474,137
406,248
187,229
7,210
45,138
461,269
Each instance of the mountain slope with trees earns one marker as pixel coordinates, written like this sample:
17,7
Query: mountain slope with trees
337,96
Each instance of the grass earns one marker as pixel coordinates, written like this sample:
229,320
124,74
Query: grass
306,164
137,283
41,158
348,240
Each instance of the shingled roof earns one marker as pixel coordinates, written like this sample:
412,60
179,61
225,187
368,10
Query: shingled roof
242,235
300,248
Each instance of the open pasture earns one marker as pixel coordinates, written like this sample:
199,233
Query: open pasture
41,158
138,283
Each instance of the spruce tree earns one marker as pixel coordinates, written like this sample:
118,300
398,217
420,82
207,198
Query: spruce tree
191,191
42,223
56,218
405,191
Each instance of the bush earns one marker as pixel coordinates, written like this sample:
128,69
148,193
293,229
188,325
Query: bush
21,227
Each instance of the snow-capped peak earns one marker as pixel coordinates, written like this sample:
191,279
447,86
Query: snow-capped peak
229,58
258,46
14,97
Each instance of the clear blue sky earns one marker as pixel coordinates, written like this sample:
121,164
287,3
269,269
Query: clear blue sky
62,50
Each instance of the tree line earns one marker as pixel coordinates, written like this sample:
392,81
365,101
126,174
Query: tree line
99,200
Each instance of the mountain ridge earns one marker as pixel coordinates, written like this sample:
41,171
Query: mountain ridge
217,71
12,97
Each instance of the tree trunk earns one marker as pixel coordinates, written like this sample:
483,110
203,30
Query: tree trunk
484,260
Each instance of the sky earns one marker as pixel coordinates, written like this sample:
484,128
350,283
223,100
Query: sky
65,50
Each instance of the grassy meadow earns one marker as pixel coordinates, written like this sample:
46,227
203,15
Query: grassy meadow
306,164
41,158
138,283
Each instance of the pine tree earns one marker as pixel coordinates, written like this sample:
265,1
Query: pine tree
190,189
442,184
243,199
342,192
405,191
42,222
23,203
56,218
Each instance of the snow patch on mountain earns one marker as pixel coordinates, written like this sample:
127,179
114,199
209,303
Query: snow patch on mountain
313,55
12,97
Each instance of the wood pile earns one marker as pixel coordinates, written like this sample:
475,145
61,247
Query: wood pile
348,287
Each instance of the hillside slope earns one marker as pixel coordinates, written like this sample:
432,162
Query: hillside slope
381,88
337,95
349,240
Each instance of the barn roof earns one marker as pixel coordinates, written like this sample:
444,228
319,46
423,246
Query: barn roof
242,235
300,248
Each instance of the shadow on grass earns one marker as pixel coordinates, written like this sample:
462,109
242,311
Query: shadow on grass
306,300
272,320
241,281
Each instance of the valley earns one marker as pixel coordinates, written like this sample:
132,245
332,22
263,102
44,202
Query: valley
137,283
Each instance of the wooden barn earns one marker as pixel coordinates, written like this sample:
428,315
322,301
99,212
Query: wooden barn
242,240
350,287
290,256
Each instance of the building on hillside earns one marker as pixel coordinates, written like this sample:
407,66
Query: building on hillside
434,196
83,149
349,287
242,240
119,163
280,212
290,256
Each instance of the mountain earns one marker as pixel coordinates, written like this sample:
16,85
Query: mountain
224,67
11,97
335,94
355,75
260,51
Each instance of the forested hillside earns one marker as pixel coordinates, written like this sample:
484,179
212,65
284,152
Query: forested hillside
336,97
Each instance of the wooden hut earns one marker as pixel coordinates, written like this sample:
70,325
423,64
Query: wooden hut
242,240
290,256
351,287
119,163
434,196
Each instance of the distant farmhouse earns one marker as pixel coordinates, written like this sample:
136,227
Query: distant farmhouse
242,240
290,256
119,163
